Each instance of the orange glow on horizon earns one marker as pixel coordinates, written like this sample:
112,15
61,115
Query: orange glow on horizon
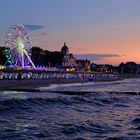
127,47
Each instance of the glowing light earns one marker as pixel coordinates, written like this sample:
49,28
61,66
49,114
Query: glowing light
21,46
2,67
19,41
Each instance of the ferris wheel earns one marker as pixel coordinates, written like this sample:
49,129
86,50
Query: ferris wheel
19,42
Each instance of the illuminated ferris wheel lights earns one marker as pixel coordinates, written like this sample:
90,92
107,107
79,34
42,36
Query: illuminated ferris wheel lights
19,42
21,46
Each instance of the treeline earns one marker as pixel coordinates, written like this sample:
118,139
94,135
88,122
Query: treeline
129,68
42,57
47,58
39,56
3,58
123,68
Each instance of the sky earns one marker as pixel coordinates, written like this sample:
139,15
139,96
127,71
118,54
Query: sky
104,31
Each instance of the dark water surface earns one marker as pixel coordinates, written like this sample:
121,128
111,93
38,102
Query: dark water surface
56,116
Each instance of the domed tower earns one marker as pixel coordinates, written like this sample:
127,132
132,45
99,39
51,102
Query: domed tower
65,49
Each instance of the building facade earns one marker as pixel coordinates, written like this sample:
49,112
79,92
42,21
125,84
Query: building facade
69,61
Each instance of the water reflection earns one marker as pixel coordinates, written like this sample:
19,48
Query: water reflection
126,85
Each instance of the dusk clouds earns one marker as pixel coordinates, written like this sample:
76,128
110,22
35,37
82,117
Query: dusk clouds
105,32
34,27
95,57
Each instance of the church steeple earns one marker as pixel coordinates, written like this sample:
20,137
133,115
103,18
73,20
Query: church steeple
65,44
65,49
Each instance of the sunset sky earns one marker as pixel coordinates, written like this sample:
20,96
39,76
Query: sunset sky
104,31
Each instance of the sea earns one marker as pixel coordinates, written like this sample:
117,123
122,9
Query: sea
81,111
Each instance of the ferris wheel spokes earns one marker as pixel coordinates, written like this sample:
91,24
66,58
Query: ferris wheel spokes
19,42
29,59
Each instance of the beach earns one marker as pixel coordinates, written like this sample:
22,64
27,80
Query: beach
30,84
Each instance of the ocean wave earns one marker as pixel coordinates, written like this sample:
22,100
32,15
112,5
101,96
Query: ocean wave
77,115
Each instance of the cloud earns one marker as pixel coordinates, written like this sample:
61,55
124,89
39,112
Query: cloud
34,27
77,49
43,33
95,57
38,28
39,34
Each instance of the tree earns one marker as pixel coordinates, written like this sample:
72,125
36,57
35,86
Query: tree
129,67
4,55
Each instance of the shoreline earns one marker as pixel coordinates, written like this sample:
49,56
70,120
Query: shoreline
33,84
